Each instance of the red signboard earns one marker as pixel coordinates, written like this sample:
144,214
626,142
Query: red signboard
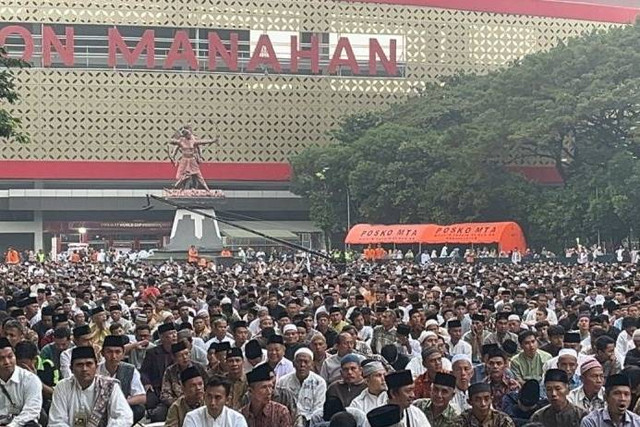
549,8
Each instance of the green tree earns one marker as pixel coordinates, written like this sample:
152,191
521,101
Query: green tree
438,156
9,125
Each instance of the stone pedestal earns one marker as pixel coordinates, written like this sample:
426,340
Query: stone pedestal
190,228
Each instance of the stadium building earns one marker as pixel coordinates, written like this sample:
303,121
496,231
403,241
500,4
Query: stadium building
110,83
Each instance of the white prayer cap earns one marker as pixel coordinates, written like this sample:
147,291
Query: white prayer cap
302,350
636,334
225,300
289,327
431,322
429,334
513,317
568,352
460,357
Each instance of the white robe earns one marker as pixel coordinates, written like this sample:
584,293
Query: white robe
69,398
366,401
414,417
200,417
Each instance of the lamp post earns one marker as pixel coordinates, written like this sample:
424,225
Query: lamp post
83,232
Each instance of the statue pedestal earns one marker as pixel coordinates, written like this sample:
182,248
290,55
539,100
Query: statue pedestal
190,228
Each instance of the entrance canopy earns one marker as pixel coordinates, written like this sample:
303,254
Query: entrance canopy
508,235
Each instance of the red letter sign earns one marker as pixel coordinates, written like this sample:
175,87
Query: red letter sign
181,49
389,64
270,59
349,61
50,39
230,57
307,53
147,42
22,32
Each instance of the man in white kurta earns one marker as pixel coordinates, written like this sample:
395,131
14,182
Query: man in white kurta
308,387
215,413
400,390
75,398
375,394
24,389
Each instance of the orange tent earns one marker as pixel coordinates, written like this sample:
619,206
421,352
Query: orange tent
365,234
508,235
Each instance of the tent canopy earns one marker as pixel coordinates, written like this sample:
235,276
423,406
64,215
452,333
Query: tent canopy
508,235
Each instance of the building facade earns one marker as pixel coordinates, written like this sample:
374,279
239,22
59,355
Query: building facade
110,82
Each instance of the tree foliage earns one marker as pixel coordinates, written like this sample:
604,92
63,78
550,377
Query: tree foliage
9,125
439,156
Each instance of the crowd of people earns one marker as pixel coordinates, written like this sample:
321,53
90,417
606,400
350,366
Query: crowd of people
286,343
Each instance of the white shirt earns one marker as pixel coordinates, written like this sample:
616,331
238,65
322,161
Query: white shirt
217,341
25,390
624,344
200,417
462,347
366,401
460,401
65,363
414,417
136,384
417,369
69,398
283,368
310,395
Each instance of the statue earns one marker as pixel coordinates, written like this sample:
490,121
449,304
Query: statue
189,174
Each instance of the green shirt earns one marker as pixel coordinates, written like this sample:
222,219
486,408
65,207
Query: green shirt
448,418
526,369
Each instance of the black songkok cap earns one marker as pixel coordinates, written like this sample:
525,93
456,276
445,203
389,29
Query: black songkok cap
223,346
556,375
617,380
262,372
97,310
479,388
47,310
454,324
572,337
478,318
529,394
488,348
403,330
275,339
510,347
503,315
253,350
4,343
166,327
115,307
398,379
83,353
81,331
113,341
234,352
187,374
446,380
334,309
179,346
384,416
238,324
59,318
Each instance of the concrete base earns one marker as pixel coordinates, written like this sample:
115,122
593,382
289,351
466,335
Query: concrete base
192,229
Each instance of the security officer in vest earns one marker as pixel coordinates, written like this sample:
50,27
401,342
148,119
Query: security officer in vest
129,377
